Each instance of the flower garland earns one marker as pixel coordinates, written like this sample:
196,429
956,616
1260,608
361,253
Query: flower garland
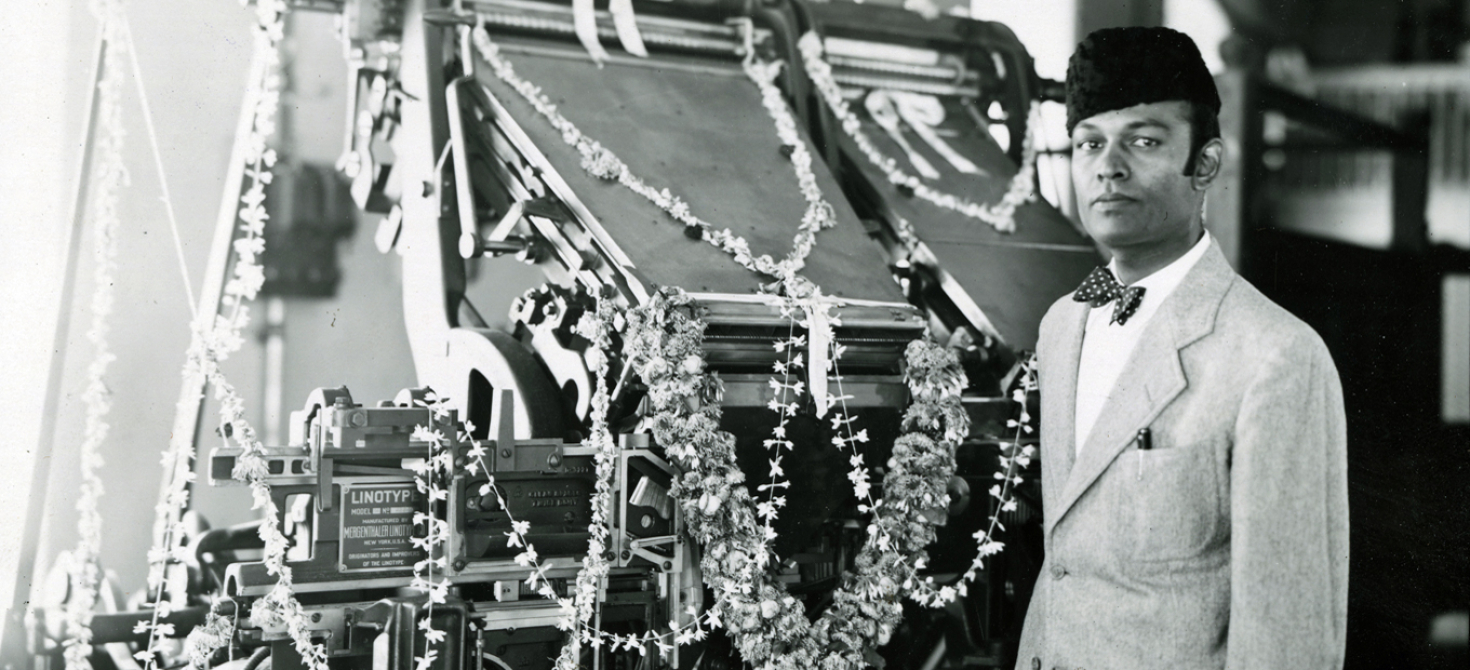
1014,457
768,625
602,163
792,346
215,337
944,388
596,327
1000,216
111,174
432,477
820,325
577,609
519,530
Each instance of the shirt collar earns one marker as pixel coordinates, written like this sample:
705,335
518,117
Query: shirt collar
1163,281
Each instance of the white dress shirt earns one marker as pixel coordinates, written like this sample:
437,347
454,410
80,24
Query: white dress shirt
1106,346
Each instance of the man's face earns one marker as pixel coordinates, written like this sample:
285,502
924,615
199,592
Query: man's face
1128,169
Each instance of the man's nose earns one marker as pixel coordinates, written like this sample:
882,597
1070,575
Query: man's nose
1111,165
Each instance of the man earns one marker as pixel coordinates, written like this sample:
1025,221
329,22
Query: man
1193,440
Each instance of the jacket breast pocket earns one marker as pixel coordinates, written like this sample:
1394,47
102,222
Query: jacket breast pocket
1171,509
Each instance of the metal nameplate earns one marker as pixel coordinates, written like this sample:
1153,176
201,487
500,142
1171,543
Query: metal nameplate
377,527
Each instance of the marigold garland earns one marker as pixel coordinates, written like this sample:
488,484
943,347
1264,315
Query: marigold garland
768,625
1014,457
1000,216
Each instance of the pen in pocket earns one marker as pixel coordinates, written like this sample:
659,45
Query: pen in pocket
1144,442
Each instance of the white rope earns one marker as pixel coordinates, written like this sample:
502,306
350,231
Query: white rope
168,204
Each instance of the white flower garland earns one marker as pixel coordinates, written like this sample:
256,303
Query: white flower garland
432,477
1014,457
1000,216
792,345
597,327
769,626
215,337
820,326
604,164
519,530
110,175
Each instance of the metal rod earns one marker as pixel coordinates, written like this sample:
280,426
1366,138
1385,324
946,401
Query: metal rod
939,72
13,650
900,84
1354,127
275,368
717,69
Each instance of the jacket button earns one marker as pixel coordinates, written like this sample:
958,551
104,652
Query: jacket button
1035,663
1058,572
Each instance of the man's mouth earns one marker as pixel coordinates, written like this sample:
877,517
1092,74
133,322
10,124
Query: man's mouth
1108,198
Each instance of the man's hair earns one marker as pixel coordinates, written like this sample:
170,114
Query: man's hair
1204,125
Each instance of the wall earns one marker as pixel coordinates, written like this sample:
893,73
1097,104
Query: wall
34,175
1046,27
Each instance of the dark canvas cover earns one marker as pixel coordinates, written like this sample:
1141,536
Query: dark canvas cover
697,127
1012,277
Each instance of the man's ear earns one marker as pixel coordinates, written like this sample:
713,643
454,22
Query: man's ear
1207,164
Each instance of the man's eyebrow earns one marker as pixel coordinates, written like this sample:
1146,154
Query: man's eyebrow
1147,123
1132,125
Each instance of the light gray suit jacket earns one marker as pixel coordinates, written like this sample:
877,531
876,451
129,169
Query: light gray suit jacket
1226,545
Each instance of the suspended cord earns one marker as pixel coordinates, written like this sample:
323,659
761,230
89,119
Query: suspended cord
168,205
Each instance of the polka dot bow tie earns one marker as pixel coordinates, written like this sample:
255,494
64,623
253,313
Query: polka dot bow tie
1101,288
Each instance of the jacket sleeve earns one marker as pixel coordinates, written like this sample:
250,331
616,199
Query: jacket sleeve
1289,515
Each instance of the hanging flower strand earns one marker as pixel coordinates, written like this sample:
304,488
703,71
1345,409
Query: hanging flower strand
578,607
844,437
602,163
110,174
597,328
784,401
215,337
1000,216
432,477
520,531
432,474
1015,456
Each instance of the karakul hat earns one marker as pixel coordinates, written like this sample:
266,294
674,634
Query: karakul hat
1116,68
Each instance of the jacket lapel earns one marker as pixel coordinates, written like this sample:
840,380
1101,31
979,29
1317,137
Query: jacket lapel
1152,378
1059,406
